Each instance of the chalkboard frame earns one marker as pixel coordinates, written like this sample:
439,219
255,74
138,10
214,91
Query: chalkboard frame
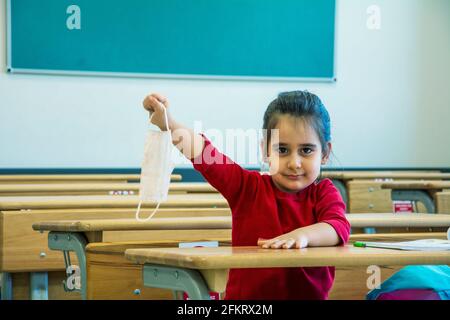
12,70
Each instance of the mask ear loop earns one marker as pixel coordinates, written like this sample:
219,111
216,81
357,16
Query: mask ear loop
149,217
140,201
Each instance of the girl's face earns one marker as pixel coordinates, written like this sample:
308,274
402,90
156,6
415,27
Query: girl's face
295,154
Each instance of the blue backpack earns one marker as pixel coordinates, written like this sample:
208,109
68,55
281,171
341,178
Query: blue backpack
415,283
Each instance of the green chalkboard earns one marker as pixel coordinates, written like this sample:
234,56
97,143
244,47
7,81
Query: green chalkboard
176,38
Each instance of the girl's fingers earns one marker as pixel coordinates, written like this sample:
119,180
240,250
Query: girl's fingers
261,241
148,105
161,98
153,102
268,243
289,244
278,244
301,243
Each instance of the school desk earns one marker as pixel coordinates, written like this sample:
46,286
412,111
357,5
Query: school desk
111,276
197,271
378,196
195,200
89,188
73,178
69,236
401,220
382,174
423,191
342,178
74,235
28,205
443,201
24,252
416,184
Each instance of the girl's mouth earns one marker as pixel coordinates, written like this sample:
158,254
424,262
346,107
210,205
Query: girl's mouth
293,177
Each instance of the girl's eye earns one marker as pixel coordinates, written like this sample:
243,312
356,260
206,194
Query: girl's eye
282,150
307,151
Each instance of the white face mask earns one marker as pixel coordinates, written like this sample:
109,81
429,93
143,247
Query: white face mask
156,168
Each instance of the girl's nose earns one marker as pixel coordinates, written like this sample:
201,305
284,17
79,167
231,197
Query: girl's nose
295,163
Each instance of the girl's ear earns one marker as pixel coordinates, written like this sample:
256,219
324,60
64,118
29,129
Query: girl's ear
326,155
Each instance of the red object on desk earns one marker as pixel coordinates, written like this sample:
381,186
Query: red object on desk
212,295
403,207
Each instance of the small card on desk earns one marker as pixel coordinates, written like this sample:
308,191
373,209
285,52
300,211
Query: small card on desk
209,244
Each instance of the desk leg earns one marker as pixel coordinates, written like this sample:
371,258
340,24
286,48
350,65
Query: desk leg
342,190
415,195
72,241
39,286
177,279
7,291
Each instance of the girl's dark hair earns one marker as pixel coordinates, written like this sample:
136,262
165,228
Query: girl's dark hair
301,104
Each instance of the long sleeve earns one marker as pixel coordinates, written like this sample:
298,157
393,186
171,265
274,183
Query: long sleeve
222,173
330,208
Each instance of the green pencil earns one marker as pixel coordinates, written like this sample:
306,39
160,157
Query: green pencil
359,244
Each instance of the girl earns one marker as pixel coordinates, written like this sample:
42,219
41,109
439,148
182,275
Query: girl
288,209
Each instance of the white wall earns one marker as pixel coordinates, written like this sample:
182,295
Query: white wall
390,106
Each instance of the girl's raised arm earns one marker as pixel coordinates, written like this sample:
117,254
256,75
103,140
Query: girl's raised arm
189,143
219,170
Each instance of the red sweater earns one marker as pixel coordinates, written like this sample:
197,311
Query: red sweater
260,210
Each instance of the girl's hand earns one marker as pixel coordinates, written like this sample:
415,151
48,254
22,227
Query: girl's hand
156,104
292,240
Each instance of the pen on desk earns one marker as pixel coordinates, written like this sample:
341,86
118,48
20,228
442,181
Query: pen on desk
359,244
